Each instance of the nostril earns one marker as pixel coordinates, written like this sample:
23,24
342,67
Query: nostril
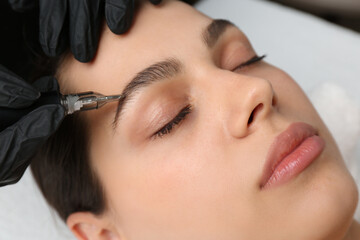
251,118
274,101
253,114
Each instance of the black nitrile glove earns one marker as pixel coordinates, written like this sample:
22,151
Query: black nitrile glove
20,140
77,22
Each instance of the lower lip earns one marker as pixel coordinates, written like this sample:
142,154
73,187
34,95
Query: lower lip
297,161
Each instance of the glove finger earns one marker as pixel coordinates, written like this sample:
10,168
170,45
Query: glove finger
155,2
53,34
22,5
15,92
85,20
46,84
20,141
119,15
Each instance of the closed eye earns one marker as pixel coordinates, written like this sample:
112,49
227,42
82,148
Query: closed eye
173,123
251,61
180,117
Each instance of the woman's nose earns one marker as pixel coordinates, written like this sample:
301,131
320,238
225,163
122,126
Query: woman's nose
251,105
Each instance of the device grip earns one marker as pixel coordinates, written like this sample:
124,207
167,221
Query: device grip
9,116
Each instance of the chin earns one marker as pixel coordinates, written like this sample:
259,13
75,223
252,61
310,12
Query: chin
318,205
331,202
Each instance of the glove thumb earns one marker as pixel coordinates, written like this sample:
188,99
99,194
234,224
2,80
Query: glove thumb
46,84
119,15
15,92
20,141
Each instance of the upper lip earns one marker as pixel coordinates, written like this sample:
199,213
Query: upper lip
285,143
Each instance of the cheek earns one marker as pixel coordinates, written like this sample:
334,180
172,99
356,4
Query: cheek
188,186
292,102
173,177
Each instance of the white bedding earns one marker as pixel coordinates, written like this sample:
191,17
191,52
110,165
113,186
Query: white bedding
314,52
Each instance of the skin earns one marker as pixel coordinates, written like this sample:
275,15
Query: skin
201,181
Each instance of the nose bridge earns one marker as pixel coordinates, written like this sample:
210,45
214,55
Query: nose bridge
248,100
259,91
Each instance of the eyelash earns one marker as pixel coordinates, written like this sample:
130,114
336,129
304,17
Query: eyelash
186,110
173,123
253,60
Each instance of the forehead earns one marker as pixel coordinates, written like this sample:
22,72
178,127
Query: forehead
157,33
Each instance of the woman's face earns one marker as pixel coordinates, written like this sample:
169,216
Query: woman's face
186,156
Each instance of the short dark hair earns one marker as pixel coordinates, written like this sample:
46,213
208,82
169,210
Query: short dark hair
63,172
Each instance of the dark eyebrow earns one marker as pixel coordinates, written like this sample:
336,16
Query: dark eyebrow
213,32
159,71
167,68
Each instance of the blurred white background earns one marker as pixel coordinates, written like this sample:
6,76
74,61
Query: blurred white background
343,12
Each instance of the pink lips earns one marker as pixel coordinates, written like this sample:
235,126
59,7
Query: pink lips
291,152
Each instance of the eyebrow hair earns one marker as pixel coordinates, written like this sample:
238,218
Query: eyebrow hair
213,32
168,68
159,71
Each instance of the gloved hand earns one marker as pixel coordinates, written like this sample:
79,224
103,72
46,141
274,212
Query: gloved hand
77,21
19,142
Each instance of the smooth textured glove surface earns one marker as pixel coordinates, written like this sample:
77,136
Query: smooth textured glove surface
119,14
20,141
15,92
22,5
76,23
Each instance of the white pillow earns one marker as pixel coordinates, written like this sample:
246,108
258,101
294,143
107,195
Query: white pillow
312,51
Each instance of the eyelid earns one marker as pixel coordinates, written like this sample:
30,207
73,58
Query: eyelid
174,122
253,60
